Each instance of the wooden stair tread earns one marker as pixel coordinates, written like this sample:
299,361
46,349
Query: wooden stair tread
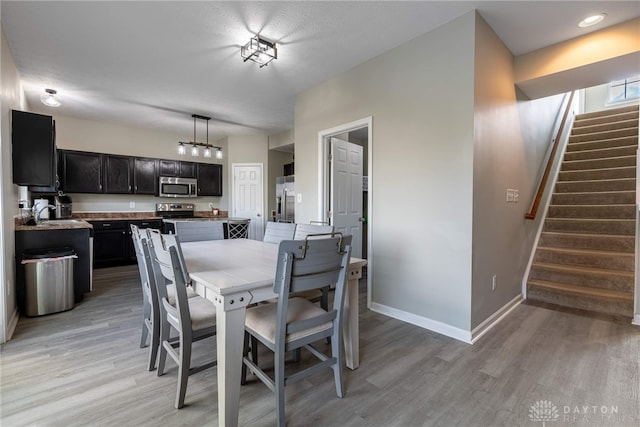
619,205
586,251
582,290
582,269
595,193
588,235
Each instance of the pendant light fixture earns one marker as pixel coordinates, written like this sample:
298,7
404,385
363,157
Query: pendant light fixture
195,150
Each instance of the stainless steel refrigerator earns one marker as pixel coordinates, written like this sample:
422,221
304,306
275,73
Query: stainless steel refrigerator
285,199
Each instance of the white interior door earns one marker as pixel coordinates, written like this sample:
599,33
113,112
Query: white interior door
248,197
346,191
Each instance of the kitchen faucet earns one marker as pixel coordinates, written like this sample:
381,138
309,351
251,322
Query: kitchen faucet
38,219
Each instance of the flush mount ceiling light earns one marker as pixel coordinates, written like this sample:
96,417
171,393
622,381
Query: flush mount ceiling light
592,20
49,98
195,151
259,50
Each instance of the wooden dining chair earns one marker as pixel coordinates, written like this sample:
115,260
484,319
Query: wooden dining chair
238,228
197,231
150,326
192,318
293,323
311,230
275,232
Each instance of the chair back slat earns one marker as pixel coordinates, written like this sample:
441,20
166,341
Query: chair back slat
323,264
303,230
275,232
197,231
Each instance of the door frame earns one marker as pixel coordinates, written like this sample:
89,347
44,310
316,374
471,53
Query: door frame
324,145
232,202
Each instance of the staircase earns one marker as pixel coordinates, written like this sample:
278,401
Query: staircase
586,253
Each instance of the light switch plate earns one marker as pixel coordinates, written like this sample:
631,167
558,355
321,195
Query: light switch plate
509,195
299,197
516,195
132,205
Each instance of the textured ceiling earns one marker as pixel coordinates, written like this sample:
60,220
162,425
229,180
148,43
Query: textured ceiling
153,64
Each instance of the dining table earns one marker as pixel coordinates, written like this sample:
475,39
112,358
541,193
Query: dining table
234,273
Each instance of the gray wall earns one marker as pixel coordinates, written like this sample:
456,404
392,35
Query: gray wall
420,95
449,137
510,141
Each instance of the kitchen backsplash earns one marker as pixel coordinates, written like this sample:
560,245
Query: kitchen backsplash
137,203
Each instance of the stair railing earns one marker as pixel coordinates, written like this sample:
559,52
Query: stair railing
547,170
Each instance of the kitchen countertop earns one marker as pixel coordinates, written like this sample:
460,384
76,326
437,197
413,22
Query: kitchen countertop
80,220
211,218
55,224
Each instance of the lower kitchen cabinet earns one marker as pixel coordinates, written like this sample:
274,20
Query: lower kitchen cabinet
77,239
109,242
112,244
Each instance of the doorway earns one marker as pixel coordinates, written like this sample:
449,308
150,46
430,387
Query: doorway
248,195
358,132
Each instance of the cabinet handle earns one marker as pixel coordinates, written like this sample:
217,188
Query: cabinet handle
145,223
106,225
136,188
129,188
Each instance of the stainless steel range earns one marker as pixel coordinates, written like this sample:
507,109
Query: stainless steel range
175,210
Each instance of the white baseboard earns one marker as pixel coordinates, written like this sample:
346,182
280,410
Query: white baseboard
423,322
448,330
636,320
494,319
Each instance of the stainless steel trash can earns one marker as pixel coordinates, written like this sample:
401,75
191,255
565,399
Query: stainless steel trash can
48,280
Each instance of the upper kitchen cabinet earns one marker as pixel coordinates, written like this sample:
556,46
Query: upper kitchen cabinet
118,174
145,176
177,168
33,148
81,172
209,179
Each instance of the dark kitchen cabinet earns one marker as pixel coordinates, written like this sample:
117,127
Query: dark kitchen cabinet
177,168
209,179
112,243
145,176
33,149
118,172
109,242
82,172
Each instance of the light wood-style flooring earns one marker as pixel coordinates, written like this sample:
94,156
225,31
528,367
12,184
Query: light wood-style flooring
84,368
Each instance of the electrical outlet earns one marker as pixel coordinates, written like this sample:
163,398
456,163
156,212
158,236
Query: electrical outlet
494,283
132,205
299,197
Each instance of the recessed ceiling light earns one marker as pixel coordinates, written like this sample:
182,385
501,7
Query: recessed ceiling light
49,98
592,20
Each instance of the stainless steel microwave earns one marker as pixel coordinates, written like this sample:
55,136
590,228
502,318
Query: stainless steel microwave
177,187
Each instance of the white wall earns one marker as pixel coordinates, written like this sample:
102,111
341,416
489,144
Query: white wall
74,133
12,98
595,99
420,96
510,141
